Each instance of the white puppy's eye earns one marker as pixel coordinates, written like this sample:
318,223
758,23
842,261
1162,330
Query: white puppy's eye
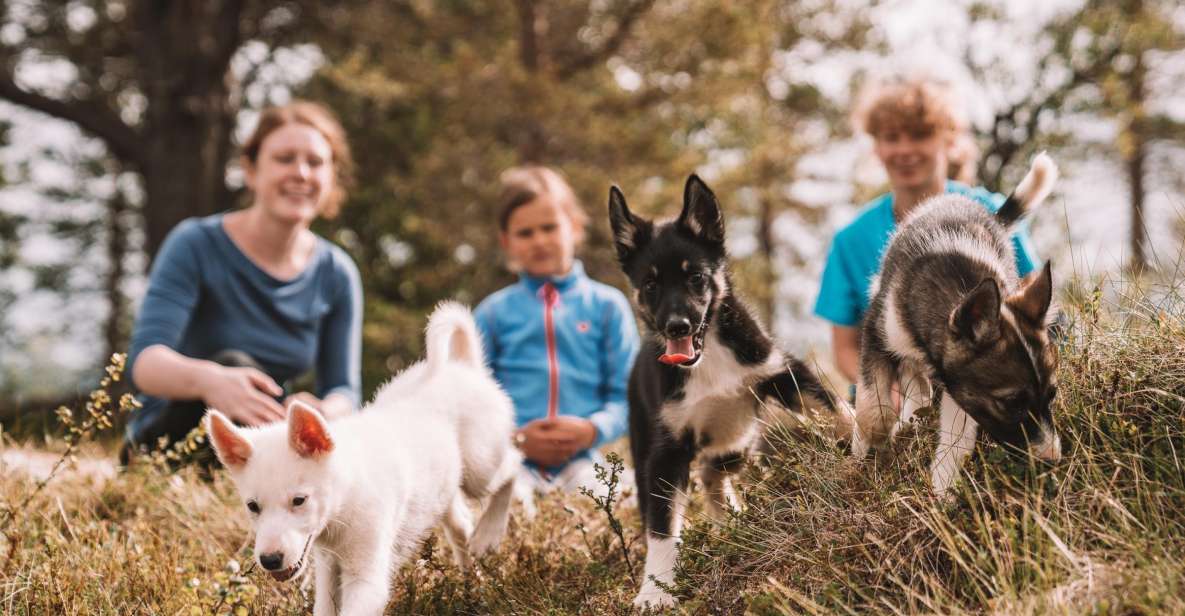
297,501
253,507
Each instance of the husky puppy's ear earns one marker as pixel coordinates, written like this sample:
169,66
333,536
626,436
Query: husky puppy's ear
307,433
233,449
629,232
701,212
977,319
1035,294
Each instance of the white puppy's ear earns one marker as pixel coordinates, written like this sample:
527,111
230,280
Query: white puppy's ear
307,432
232,447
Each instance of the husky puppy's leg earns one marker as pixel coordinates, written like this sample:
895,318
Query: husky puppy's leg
956,438
875,414
670,466
327,577
716,475
458,527
915,394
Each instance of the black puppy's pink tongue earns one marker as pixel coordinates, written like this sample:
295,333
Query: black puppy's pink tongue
678,351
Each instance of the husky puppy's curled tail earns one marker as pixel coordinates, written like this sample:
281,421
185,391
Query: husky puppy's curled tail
1032,190
452,337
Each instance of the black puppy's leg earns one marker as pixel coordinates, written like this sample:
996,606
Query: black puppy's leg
668,470
716,474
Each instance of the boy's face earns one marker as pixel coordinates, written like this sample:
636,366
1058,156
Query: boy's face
539,238
914,160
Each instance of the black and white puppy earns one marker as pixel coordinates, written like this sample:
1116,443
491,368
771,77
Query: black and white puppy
950,315
705,376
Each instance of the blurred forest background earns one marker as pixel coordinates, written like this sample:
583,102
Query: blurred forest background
119,118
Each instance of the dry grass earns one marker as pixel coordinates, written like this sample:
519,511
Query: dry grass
1101,533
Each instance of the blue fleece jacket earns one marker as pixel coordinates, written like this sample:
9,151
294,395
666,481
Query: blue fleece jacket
594,338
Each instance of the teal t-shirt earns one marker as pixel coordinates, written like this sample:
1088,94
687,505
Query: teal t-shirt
856,252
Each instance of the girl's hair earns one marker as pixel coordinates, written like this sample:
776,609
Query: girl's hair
322,120
916,105
522,185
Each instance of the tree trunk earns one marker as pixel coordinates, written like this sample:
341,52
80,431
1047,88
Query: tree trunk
114,332
1136,159
765,236
185,50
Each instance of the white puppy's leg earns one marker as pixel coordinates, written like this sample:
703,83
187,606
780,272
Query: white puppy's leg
491,528
956,438
328,583
458,527
366,576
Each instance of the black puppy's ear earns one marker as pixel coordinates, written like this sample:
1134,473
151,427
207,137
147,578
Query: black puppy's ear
629,231
701,212
977,318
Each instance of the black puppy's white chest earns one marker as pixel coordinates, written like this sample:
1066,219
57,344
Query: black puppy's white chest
718,406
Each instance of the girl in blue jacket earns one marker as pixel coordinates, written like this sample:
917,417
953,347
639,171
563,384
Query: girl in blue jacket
560,343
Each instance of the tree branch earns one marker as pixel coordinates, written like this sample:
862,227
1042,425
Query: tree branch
625,23
122,141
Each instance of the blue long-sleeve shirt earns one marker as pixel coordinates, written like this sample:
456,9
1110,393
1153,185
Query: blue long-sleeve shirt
205,296
594,337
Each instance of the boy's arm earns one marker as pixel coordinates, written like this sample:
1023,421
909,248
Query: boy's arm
844,344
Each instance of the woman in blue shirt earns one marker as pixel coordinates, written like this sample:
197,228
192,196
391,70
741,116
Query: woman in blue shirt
242,302
560,343
920,138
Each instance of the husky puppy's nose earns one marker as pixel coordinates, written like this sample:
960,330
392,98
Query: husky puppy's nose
678,327
1048,449
272,561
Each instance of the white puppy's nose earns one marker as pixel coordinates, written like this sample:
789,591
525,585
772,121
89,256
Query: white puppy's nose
272,561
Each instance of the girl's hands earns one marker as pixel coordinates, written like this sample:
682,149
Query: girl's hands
552,442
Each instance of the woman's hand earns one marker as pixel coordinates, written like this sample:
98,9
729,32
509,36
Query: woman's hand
245,395
552,442
332,406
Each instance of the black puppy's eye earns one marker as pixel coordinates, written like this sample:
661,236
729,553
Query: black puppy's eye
649,287
253,507
698,281
297,501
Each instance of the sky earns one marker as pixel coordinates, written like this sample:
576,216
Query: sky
1083,228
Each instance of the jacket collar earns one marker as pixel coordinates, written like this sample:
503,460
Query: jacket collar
561,283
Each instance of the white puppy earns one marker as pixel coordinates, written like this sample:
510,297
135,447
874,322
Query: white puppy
361,492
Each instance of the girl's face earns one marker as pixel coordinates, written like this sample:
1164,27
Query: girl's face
539,238
293,177
914,161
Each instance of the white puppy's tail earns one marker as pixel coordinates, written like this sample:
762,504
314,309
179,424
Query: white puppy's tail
1032,190
452,337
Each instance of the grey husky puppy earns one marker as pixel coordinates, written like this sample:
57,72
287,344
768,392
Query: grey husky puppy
950,317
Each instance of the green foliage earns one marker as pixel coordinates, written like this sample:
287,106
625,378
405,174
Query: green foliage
439,99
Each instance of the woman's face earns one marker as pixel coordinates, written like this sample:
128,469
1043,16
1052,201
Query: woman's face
539,238
293,177
914,161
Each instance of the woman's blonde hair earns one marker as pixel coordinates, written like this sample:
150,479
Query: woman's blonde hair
522,185
323,121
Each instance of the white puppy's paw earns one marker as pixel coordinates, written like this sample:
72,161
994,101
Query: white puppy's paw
653,597
485,540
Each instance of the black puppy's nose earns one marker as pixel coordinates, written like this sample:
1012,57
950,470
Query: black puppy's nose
678,327
273,561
